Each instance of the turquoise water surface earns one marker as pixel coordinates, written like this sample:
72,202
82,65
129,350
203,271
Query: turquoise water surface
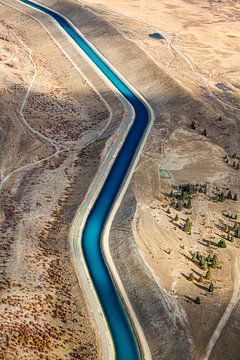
126,347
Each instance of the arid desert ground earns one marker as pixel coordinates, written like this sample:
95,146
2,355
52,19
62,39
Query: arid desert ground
175,239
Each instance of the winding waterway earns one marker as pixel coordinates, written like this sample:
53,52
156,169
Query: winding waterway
125,344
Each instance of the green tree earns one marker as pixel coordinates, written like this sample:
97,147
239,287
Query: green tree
191,277
198,300
235,226
226,228
202,261
189,204
176,218
221,197
180,205
232,239
205,266
168,211
211,288
208,275
215,262
187,226
193,125
222,244
229,195
194,257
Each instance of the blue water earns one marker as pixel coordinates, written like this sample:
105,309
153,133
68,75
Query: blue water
156,36
126,347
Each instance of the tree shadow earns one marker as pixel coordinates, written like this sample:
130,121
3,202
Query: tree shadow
189,299
186,256
185,276
205,243
196,272
202,287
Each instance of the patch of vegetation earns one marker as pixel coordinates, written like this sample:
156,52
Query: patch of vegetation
206,262
222,244
187,227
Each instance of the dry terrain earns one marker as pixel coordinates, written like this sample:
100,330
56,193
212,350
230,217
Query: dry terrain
52,125
196,139
183,58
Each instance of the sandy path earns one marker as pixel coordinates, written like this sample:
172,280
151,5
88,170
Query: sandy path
233,302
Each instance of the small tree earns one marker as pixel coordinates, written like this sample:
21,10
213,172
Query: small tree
205,266
229,195
221,197
222,244
211,288
194,257
232,239
168,211
191,277
188,205
226,228
193,125
200,279
235,226
176,218
235,198
204,132
215,262
208,275
180,205
187,226
202,261
197,300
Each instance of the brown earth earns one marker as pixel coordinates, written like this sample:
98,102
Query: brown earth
43,310
153,255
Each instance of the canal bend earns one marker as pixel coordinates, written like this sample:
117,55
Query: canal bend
124,339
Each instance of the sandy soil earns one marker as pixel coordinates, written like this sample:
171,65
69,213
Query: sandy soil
201,41
203,61
43,310
169,74
168,250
